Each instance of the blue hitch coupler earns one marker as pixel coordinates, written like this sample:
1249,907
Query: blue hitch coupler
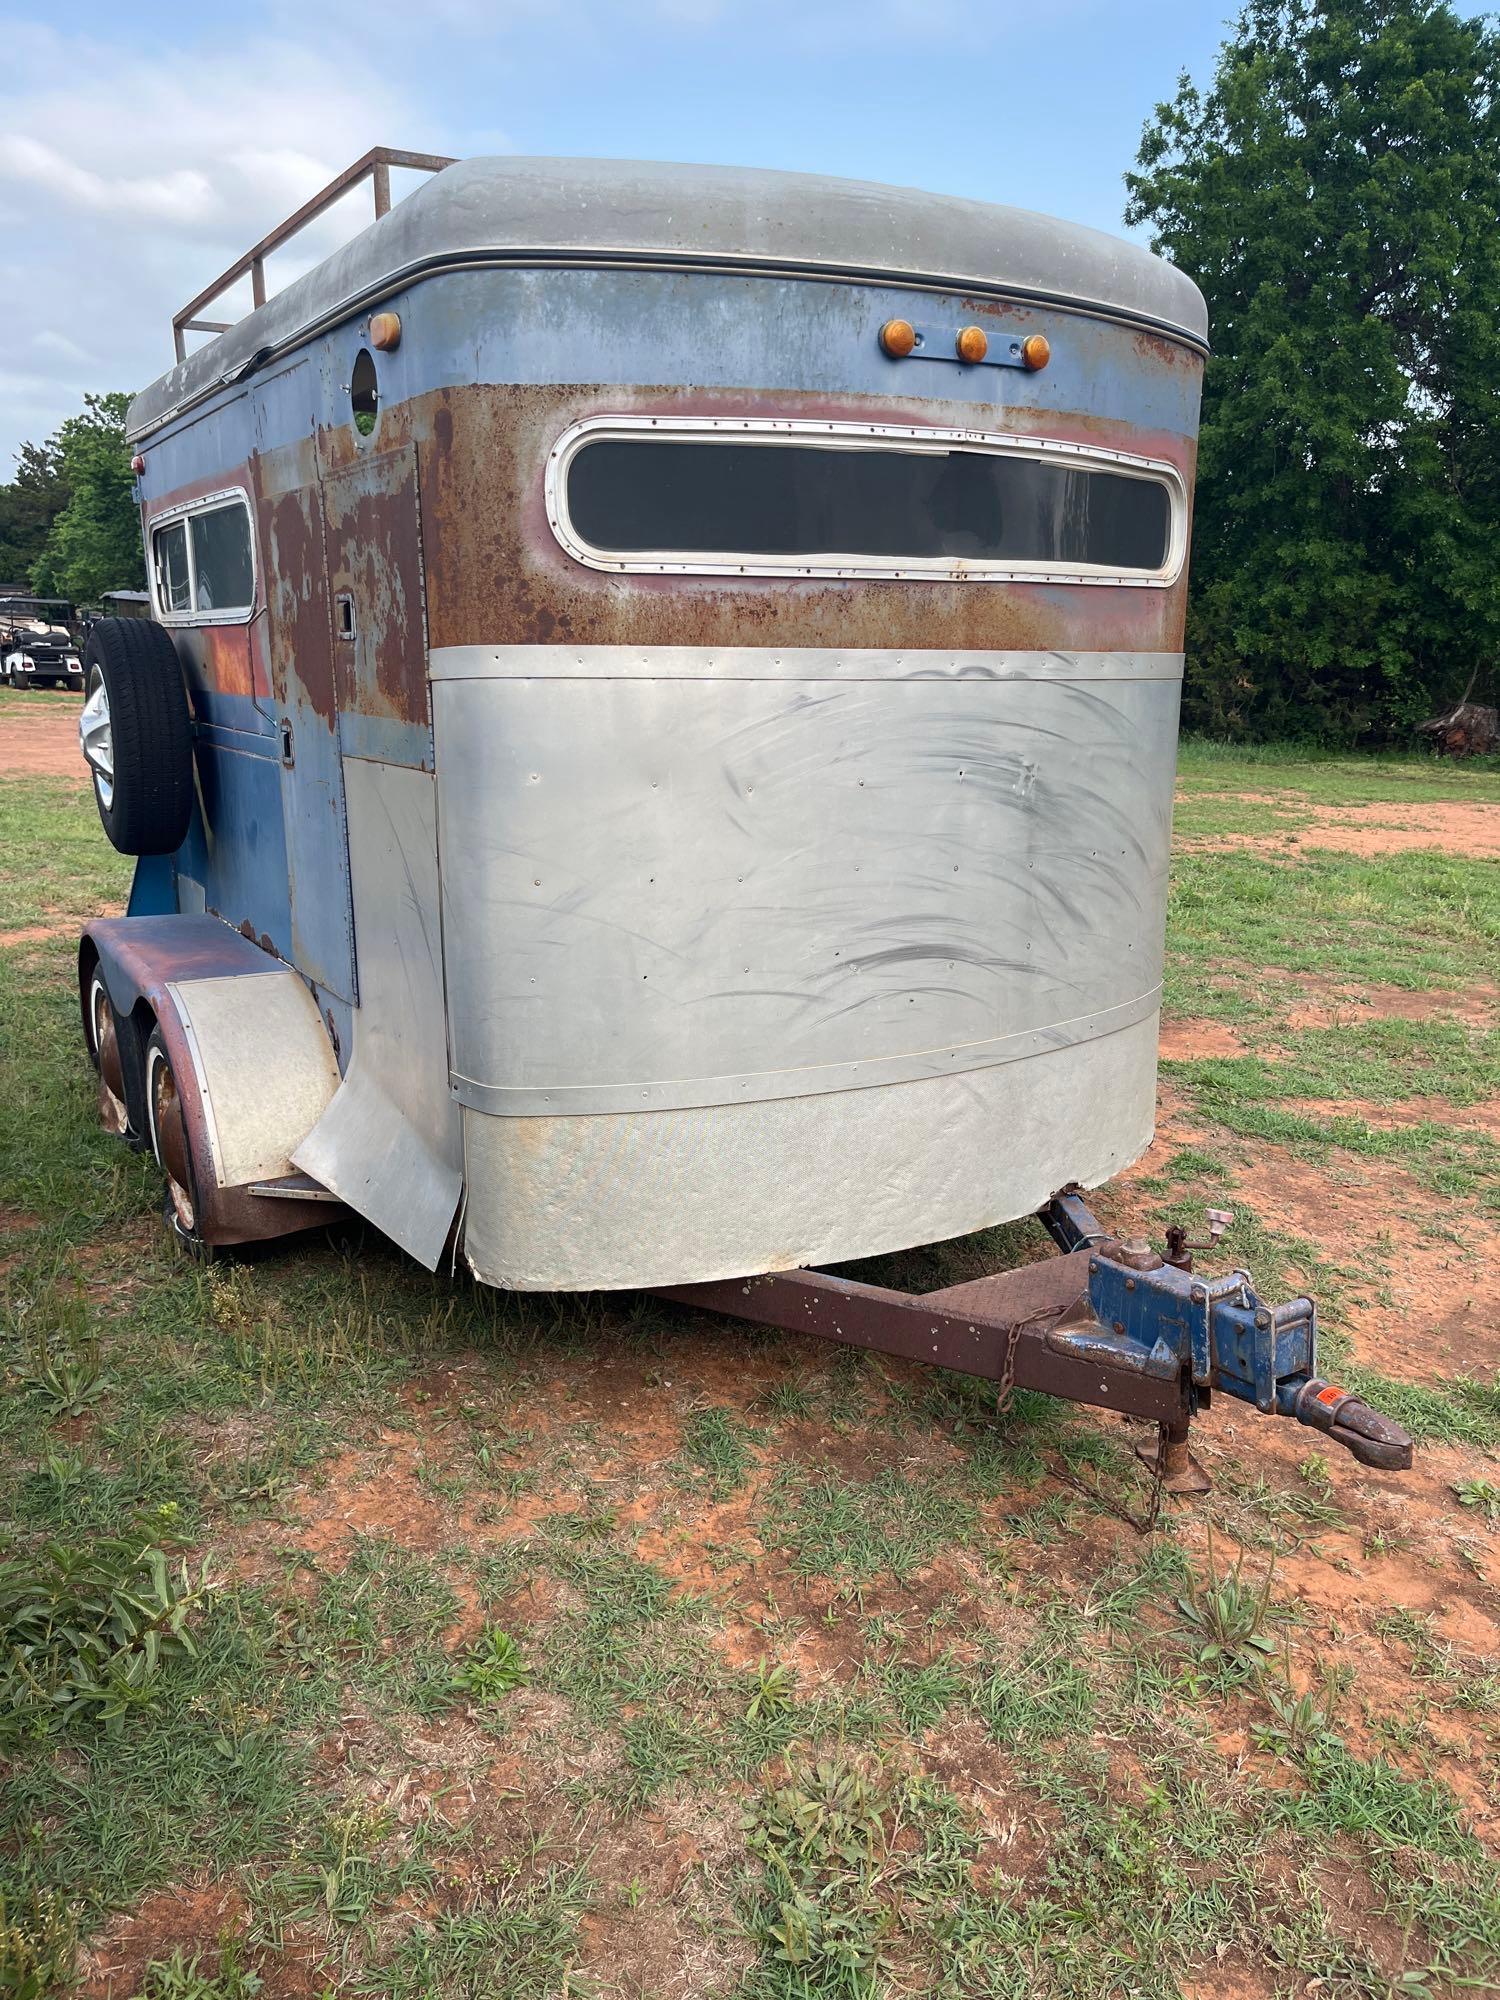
1156,1315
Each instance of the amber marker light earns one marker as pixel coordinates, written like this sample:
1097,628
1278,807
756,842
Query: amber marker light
973,343
898,337
1036,350
385,331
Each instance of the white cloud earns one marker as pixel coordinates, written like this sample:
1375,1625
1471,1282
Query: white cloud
131,175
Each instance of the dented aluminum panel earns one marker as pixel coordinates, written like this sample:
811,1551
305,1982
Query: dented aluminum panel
390,1142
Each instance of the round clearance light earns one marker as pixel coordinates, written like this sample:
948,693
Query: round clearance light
898,337
385,331
972,344
138,465
1036,350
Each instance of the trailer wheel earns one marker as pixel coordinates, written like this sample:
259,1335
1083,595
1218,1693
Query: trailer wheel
136,735
167,1124
101,1032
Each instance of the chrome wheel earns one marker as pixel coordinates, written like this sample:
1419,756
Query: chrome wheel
96,738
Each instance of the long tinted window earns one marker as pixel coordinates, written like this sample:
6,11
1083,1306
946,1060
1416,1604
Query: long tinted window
698,498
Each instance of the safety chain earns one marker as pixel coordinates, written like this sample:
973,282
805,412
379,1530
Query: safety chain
1144,1524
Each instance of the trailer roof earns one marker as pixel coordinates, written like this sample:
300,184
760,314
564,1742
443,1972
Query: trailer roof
530,211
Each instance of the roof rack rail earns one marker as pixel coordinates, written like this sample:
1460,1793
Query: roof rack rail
377,164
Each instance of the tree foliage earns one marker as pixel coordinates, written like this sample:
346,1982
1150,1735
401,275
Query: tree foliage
28,506
1336,194
94,544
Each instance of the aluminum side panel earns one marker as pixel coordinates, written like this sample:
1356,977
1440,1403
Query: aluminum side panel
390,1144
264,1065
697,888
724,1191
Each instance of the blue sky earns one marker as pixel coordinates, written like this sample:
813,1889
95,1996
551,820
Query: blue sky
145,146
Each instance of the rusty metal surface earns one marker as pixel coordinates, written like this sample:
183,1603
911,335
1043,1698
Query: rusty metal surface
930,1329
373,536
495,572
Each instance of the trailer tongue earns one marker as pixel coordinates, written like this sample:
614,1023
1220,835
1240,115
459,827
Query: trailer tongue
1107,1322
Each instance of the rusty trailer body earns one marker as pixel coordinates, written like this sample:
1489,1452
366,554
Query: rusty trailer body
688,742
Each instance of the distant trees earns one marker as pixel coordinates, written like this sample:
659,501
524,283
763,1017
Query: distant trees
28,507
1336,194
68,520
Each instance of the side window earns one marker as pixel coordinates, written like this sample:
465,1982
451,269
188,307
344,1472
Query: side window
223,572
203,562
169,546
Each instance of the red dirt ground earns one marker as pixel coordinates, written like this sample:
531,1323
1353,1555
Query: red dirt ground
41,740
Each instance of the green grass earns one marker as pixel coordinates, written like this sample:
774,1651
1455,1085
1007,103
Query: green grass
545,1646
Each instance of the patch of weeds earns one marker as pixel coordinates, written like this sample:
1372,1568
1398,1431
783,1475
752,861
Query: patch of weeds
631,1641
182,1978
343,1878
1481,1493
853,1861
38,1946
214,1762
1345,1794
787,1397
1300,1727
1226,1621
492,1668
84,1629
522,1940
888,1526
719,1444
772,1692
1466,1685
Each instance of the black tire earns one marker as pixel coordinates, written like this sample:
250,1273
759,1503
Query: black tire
147,801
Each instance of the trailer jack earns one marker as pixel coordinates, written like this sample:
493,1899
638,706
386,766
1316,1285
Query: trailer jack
1110,1322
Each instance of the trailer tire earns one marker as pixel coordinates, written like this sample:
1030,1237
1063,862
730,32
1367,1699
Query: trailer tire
137,735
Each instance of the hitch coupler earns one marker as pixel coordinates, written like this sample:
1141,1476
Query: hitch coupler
1158,1316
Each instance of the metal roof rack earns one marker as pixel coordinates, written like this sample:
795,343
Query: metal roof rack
376,164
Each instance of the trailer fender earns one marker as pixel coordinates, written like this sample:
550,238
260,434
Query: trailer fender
250,1057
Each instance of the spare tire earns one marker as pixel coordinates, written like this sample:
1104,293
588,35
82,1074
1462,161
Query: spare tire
136,735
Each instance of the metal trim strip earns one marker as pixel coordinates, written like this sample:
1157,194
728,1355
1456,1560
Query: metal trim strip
579,1100
788,663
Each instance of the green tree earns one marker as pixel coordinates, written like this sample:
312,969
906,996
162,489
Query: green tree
1336,194
29,505
94,544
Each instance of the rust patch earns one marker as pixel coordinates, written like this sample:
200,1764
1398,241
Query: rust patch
496,574
375,561
296,571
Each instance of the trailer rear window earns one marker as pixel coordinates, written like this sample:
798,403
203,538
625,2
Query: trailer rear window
203,562
846,502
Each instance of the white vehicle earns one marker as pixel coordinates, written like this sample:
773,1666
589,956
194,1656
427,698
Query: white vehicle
36,651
